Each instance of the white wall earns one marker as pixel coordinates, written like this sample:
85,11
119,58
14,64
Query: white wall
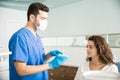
3,35
85,17
10,21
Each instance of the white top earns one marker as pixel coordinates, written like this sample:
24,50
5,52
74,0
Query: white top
85,68
100,75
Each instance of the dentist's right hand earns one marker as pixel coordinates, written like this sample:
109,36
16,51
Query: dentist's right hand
57,61
55,53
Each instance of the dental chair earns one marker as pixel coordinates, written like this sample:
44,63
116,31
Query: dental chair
118,64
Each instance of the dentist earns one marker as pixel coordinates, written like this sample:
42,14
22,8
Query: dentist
28,59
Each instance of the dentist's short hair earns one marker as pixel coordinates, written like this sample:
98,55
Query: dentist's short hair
34,9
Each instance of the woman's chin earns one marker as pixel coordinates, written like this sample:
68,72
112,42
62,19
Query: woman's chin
89,56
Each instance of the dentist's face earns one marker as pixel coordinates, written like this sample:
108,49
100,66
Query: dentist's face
91,49
40,20
41,17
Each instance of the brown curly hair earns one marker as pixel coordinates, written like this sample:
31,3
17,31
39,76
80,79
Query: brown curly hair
103,49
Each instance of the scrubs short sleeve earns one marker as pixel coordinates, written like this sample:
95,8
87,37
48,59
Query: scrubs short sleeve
20,50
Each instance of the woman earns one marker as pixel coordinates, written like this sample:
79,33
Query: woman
99,57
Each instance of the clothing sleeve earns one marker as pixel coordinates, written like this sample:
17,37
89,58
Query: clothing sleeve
111,68
114,68
20,51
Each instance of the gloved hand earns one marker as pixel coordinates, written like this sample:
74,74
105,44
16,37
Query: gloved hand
57,61
55,52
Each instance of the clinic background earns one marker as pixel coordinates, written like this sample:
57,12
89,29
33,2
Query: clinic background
84,17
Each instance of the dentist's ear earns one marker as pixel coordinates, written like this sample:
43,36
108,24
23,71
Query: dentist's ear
32,17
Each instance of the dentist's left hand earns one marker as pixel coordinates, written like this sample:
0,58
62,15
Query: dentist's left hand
57,61
55,53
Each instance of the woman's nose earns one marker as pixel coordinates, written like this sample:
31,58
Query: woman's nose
87,48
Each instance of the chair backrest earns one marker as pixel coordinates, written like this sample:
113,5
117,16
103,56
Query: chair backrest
118,65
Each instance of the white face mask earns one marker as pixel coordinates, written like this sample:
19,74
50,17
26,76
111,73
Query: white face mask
43,25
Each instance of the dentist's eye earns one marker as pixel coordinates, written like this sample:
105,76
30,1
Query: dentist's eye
87,46
43,18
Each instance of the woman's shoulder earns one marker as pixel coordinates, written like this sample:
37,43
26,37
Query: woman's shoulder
111,68
112,65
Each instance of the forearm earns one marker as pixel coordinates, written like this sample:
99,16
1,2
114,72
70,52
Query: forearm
23,69
34,69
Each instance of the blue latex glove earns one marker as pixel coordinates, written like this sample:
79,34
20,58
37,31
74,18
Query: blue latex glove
58,61
55,52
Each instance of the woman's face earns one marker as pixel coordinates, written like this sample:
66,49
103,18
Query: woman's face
91,50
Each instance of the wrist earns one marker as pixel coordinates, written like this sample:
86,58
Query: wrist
50,65
50,53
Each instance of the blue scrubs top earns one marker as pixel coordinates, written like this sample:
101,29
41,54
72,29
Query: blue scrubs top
27,48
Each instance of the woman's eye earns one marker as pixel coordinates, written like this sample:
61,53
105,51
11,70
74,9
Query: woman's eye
91,47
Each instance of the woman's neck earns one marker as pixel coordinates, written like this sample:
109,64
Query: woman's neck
95,61
96,64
